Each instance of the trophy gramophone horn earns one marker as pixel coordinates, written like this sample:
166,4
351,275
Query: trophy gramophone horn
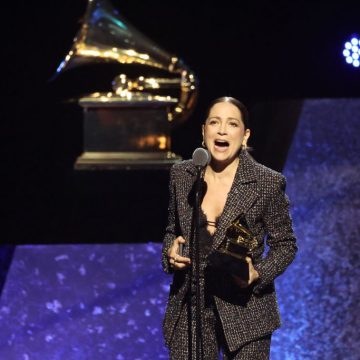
105,36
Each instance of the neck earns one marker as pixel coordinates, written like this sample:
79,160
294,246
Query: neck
221,170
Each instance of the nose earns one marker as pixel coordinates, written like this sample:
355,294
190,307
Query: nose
222,129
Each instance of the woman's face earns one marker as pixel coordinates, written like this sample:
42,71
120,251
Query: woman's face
224,132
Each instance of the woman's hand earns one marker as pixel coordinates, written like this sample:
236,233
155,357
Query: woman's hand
176,261
253,275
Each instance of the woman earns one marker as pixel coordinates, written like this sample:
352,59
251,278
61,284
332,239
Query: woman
238,316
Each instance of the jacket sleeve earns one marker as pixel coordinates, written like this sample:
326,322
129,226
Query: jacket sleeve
280,238
170,231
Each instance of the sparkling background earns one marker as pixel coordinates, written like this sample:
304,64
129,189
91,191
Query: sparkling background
84,302
107,301
319,294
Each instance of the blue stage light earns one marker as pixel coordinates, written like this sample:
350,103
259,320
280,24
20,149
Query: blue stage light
351,51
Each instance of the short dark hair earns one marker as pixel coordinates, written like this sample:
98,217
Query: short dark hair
242,108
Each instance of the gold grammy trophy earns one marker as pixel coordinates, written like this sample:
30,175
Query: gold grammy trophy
231,255
129,125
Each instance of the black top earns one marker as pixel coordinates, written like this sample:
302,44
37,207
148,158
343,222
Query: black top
205,237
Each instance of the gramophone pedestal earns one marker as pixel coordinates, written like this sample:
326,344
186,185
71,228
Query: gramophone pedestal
125,134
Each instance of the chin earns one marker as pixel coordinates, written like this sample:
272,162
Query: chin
223,158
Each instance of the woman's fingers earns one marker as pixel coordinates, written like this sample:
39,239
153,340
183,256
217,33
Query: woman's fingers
180,240
181,259
253,274
174,249
175,260
180,266
179,262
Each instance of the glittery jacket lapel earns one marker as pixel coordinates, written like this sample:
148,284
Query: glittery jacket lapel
241,197
184,207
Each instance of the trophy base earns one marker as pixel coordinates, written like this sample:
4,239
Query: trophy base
230,263
126,160
121,133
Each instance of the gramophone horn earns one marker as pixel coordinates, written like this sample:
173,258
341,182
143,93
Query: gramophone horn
105,36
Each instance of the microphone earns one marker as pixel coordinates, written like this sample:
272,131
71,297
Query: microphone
201,157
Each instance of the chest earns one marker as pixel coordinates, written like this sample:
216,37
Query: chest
215,198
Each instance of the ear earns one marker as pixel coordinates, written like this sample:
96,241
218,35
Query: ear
203,130
246,136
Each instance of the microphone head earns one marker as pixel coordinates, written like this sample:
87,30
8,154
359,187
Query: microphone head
201,157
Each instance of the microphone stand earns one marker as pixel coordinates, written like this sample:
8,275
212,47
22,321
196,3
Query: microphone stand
201,157
198,320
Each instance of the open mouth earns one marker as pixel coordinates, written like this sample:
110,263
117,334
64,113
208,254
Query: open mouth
221,143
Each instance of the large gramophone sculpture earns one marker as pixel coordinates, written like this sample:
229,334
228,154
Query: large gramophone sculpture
128,125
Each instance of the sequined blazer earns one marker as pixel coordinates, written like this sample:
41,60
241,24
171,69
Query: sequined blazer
258,194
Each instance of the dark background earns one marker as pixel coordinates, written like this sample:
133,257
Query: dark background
269,54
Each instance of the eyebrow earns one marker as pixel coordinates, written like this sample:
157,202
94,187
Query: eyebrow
219,118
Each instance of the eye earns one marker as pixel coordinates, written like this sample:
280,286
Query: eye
213,121
234,124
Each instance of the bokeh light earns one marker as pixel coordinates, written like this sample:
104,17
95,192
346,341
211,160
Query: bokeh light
351,51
